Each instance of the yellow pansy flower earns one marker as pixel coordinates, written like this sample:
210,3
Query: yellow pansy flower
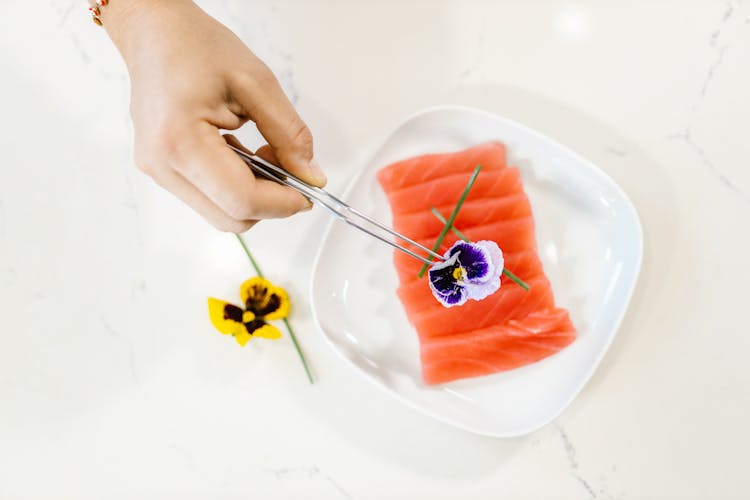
263,301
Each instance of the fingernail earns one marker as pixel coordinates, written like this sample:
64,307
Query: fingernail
317,172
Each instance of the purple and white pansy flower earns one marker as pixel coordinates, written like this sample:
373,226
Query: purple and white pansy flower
469,271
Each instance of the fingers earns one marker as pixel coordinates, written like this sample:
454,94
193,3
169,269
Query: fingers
261,96
190,195
195,164
265,152
207,163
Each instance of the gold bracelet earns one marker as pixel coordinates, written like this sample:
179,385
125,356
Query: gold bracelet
95,9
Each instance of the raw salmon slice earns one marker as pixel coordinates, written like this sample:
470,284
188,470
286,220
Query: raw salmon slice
496,348
515,303
447,190
506,330
474,212
428,167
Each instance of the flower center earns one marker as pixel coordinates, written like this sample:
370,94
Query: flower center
459,273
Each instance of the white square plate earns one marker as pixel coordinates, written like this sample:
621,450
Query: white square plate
590,242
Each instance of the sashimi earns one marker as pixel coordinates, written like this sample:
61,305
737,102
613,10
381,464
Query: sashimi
499,308
514,303
496,348
428,167
446,190
507,329
474,212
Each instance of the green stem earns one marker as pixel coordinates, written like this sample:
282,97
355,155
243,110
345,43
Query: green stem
458,233
289,329
249,256
299,350
452,218
453,229
516,279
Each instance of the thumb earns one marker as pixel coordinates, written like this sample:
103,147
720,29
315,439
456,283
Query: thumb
288,136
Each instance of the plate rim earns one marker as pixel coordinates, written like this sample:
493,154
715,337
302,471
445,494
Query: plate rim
638,226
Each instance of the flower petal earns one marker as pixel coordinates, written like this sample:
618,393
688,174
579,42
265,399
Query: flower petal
226,317
474,260
267,332
495,260
242,337
444,283
478,290
457,297
482,290
470,271
265,299
441,275
279,296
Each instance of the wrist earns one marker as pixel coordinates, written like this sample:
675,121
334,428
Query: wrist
125,20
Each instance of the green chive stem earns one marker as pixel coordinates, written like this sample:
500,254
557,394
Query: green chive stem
516,279
452,218
299,350
453,229
289,329
250,256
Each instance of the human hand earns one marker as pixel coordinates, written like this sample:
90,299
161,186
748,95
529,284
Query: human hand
191,77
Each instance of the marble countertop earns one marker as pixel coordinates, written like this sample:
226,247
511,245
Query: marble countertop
114,385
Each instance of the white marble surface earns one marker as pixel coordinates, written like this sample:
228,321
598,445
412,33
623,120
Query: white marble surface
114,385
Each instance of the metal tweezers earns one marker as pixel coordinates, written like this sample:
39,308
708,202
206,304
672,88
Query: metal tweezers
342,210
